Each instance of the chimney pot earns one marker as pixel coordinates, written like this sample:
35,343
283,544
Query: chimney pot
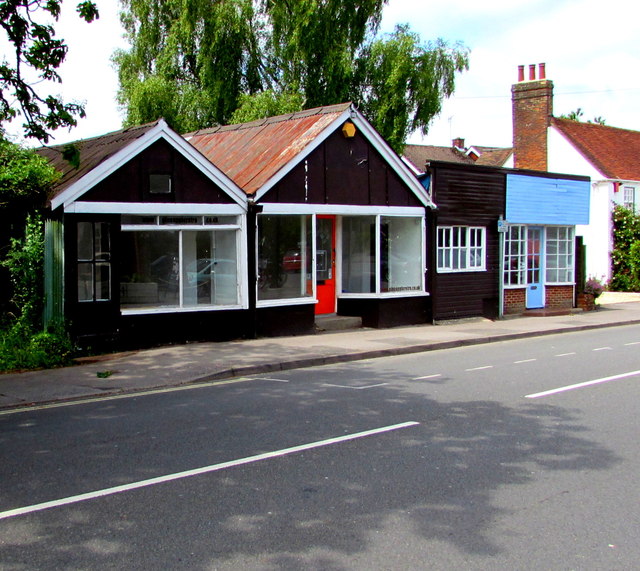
532,72
541,71
520,73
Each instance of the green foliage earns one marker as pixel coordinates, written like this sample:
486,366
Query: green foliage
21,348
35,48
23,344
199,63
25,178
25,262
401,83
578,114
625,257
266,104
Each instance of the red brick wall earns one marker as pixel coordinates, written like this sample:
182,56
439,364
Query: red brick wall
514,301
559,296
532,103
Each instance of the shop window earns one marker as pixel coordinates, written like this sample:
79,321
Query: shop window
93,261
284,257
460,249
515,256
559,257
186,268
359,254
400,254
382,254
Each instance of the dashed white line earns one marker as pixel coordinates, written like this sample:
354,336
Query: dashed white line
602,349
565,354
582,385
480,368
273,380
524,361
427,377
356,388
633,343
198,471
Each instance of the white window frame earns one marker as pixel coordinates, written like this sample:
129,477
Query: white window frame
629,197
570,254
202,223
520,258
463,250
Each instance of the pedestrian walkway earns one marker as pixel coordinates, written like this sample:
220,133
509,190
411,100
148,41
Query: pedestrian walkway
199,362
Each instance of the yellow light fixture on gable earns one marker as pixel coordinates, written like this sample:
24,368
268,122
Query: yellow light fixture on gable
349,130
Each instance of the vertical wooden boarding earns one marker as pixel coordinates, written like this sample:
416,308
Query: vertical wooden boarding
53,273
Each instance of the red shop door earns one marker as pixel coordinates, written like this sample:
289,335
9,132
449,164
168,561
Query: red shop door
325,264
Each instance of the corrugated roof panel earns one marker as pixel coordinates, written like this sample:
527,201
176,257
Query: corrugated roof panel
252,153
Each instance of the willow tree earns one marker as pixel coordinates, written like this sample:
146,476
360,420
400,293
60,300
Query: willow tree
201,62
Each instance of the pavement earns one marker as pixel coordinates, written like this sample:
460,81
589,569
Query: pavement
180,365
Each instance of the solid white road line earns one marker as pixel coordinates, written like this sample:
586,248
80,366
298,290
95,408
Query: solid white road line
582,385
204,470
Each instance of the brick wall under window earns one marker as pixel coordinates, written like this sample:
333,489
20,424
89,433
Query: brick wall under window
560,296
514,301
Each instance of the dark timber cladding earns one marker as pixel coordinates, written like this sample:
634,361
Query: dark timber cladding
130,183
466,195
343,171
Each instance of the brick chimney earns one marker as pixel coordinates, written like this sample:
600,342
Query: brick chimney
532,101
458,143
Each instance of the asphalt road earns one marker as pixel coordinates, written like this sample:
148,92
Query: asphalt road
456,459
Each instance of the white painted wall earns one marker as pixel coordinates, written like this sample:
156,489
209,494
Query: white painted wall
564,158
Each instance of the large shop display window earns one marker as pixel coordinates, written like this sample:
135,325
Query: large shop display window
382,254
179,262
284,257
522,246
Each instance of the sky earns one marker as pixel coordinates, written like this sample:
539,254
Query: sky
589,48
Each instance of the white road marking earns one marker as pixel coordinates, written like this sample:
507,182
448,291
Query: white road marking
565,354
198,471
524,361
427,377
355,388
273,380
98,399
602,349
480,368
633,343
582,385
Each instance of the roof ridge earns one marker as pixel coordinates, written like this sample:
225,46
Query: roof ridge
323,110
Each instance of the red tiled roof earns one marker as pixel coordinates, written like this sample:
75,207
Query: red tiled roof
614,152
419,155
252,153
92,152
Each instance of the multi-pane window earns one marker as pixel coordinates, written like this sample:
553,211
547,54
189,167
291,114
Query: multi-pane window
629,197
94,261
461,248
559,254
515,256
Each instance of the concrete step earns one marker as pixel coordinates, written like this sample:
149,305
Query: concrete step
548,311
333,322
